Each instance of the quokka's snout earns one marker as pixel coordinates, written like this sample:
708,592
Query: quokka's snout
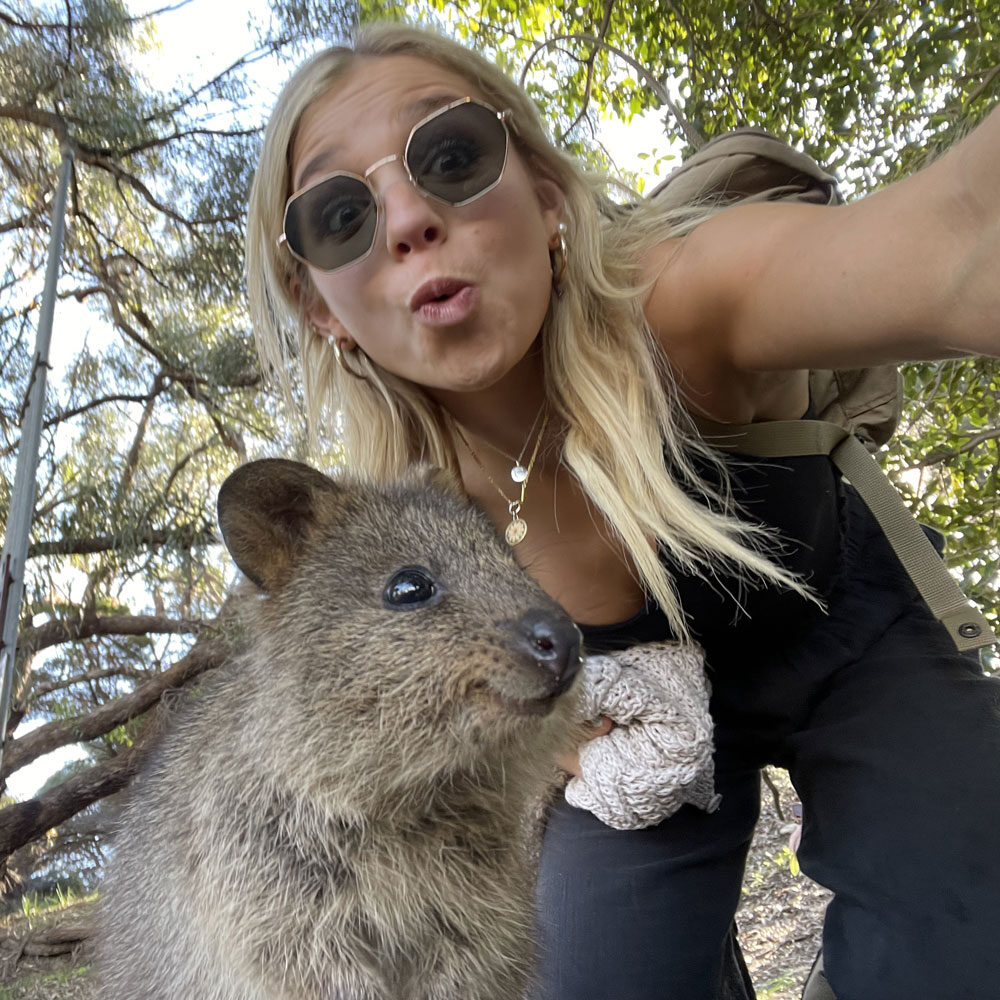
553,642
550,645
340,810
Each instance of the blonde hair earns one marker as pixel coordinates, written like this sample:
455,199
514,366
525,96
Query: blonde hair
628,441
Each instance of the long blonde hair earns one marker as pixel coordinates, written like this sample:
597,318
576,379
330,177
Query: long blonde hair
628,440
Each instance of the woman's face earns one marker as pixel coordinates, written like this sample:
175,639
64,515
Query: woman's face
490,258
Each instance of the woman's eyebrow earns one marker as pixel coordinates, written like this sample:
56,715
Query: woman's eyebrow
319,164
425,105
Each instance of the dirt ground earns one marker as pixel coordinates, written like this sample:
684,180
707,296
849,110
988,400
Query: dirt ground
781,916
779,920
46,957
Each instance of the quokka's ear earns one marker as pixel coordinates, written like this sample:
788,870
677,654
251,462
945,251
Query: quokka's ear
266,510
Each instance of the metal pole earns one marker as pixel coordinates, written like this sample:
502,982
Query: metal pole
22,501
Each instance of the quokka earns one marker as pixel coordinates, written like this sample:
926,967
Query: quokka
338,813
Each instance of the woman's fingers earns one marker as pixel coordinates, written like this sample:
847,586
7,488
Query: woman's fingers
570,762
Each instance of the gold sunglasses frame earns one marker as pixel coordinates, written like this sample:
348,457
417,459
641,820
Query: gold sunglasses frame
503,117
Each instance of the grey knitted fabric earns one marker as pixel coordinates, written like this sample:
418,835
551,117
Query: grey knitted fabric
658,756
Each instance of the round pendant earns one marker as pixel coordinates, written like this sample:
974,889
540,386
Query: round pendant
515,532
519,473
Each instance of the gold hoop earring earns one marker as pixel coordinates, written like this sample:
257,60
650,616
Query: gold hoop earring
338,353
558,255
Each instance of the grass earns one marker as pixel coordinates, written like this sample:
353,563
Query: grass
763,992
33,906
43,984
27,977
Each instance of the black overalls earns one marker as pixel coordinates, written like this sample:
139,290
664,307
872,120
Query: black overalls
892,740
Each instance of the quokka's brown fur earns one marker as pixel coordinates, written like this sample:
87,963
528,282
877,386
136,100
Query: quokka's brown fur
338,813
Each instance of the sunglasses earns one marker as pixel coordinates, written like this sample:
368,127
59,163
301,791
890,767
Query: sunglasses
455,155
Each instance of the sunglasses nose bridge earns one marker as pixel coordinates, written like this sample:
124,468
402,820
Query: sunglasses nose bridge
402,175
391,158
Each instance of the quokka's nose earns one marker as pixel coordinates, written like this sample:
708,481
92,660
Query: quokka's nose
553,642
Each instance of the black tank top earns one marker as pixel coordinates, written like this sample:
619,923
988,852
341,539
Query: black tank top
798,496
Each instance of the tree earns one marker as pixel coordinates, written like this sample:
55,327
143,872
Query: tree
159,391
159,394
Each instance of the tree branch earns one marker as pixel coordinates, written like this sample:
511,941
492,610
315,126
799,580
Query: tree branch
135,19
21,222
101,159
205,655
191,383
244,60
988,78
58,26
96,231
75,412
937,457
23,822
165,139
132,459
92,405
591,60
33,639
103,162
179,465
690,132
40,690
69,37
36,116
29,25
186,536
133,334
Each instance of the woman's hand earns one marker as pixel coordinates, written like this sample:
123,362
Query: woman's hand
570,761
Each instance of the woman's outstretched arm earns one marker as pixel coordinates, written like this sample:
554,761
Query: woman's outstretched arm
911,272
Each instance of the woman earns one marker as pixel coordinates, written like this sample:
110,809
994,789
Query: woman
468,297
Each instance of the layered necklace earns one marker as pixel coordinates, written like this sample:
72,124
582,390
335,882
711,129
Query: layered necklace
519,473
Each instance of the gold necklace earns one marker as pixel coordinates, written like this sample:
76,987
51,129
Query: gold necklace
519,472
517,528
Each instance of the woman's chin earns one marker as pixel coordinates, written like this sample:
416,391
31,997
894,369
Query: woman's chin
471,375
464,383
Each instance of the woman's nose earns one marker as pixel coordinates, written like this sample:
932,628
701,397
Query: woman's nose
412,220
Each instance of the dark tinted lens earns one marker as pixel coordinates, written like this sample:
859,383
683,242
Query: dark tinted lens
332,223
459,154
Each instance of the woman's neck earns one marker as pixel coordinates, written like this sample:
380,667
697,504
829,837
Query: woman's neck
504,415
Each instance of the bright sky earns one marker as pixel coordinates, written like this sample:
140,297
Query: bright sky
199,39
25,783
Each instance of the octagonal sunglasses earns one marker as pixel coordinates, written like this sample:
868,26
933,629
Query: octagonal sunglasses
456,154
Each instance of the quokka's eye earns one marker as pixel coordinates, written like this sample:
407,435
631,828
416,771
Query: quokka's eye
409,588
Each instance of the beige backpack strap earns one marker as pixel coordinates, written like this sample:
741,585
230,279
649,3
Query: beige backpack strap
967,626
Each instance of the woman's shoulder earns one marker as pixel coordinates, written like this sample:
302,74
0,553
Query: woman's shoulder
706,285
695,284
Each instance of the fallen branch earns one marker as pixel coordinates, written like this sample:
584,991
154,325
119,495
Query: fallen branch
52,941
